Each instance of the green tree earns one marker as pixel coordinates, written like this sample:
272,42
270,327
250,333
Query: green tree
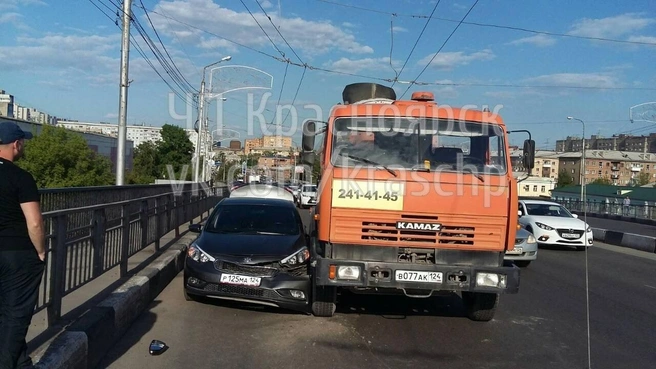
642,179
602,181
146,164
175,149
58,157
564,179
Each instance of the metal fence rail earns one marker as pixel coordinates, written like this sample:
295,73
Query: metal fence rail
85,242
604,208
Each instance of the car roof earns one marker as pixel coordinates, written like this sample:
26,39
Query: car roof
256,201
544,202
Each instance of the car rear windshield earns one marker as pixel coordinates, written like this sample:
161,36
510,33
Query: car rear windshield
308,188
254,219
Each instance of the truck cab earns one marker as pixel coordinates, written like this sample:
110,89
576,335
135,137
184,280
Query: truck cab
413,198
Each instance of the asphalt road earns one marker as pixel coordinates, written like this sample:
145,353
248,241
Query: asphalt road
544,326
620,226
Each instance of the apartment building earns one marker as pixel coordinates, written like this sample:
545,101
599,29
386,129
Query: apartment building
282,144
6,105
621,142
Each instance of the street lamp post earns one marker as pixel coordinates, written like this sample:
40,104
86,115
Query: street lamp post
201,118
582,158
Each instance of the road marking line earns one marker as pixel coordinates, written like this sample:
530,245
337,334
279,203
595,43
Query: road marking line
650,286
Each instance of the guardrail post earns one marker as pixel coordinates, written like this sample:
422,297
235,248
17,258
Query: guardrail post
176,220
144,220
58,282
99,228
158,227
125,244
169,213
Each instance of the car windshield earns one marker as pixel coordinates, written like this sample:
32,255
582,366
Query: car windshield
548,210
308,188
254,219
423,144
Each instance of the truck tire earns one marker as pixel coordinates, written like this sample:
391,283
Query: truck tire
324,301
363,91
480,306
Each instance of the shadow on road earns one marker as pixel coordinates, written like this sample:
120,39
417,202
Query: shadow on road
400,307
141,326
246,306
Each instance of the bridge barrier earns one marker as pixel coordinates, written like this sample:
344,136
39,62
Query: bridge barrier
85,242
628,240
84,343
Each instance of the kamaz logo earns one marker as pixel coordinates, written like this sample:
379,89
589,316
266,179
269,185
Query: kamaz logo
419,226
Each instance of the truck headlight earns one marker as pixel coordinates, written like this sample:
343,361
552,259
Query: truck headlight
197,254
491,280
349,272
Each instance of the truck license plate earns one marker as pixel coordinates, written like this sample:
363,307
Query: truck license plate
240,280
410,276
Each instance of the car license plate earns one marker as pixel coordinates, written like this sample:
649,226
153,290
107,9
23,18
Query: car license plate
240,280
570,235
515,251
410,276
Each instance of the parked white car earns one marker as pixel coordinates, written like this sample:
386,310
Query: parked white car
552,224
307,196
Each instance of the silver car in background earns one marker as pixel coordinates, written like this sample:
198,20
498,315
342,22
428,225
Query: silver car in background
525,251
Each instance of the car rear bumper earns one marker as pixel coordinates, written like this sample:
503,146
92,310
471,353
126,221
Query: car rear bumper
202,279
444,277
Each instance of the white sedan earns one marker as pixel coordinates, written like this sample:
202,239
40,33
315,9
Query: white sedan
552,224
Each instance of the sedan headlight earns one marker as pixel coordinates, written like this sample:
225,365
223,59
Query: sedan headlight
544,226
530,239
588,230
197,254
299,257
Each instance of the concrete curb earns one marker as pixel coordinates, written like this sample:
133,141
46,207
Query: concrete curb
629,240
84,343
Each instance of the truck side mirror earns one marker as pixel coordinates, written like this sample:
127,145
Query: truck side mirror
309,131
529,155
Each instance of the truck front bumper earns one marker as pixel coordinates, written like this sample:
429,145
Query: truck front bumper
436,277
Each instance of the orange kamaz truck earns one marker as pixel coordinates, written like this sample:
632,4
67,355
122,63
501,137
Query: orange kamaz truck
413,199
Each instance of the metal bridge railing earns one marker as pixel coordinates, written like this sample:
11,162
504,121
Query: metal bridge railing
83,243
644,211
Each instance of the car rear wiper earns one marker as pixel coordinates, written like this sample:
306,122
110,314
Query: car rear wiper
369,162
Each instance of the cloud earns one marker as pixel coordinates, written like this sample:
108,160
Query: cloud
399,29
110,116
266,4
537,40
446,91
15,4
309,37
649,39
500,94
356,65
450,60
593,80
610,27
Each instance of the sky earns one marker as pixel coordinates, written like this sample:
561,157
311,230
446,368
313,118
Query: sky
535,63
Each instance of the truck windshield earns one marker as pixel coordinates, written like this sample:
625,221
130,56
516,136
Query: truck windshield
419,144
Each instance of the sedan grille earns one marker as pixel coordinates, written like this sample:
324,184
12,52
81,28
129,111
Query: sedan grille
240,290
247,270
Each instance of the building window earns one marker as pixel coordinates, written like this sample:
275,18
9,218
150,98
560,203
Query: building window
542,189
535,188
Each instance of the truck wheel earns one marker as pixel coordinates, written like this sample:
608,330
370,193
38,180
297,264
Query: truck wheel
324,301
480,306
522,263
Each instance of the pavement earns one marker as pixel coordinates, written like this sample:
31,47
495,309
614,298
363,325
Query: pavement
544,326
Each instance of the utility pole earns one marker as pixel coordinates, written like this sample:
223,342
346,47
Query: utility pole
123,94
201,122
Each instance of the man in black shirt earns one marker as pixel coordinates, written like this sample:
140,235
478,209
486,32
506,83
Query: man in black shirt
22,248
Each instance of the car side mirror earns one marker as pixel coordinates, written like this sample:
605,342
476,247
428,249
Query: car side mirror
196,228
307,142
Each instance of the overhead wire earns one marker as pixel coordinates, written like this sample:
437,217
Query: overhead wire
416,42
441,47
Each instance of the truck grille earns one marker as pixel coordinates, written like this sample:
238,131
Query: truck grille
457,231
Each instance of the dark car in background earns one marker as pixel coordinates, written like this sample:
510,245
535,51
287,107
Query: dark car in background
253,250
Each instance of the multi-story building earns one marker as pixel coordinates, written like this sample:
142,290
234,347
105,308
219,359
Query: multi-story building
546,163
535,186
6,105
620,168
268,143
621,142
137,134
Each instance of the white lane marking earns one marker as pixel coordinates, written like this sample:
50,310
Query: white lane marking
650,286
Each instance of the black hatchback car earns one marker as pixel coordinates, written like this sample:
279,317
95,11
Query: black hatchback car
253,250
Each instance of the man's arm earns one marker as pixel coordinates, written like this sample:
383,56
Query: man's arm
35,226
